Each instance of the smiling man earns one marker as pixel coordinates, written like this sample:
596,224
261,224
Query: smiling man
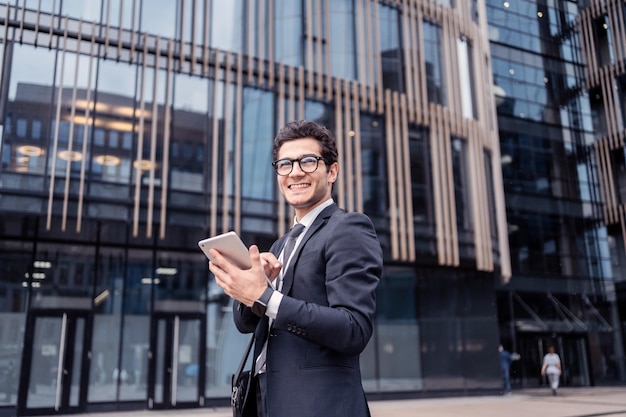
311,307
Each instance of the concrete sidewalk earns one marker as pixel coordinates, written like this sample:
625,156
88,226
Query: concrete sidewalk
570,402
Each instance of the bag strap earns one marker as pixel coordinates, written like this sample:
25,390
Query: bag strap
244,358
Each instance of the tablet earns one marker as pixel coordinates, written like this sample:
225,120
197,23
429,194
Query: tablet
231,246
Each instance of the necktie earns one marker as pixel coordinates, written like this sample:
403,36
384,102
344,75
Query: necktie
290,243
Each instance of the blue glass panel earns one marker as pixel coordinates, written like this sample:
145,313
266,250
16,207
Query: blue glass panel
258,135
289,35
228,26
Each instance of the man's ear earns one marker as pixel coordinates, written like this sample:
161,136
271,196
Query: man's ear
333,172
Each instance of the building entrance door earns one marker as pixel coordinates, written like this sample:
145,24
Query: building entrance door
176,361
55,367
572,350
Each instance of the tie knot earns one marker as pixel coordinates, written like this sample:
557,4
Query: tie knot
296,230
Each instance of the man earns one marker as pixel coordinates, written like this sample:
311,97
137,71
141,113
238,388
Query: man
505,363
314,319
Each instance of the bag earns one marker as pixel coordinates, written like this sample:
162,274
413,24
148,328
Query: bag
243,397
243,389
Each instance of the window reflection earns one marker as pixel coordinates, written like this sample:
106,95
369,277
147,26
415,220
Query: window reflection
258,135
227,19
433,56
189,159
391,53
375,199
288,33
603,41
343,48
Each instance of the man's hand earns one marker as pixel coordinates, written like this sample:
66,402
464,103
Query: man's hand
244,285
271,265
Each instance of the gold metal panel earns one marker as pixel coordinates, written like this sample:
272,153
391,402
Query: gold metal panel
167,117
88,103
348,175
238,162
339,135
57,119
215,147
226,144
391,183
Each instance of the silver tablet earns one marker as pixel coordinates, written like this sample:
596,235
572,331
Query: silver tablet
231,246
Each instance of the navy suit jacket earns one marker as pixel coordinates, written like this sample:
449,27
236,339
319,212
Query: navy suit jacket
324,321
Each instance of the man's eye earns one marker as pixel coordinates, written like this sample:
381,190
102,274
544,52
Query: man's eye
308,160
283,163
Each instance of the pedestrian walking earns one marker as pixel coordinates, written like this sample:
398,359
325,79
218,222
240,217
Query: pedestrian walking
552,368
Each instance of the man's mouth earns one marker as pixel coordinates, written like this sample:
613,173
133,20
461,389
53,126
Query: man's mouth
298,186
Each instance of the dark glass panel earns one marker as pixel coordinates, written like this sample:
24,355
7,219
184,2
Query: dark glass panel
390,48
258,140
433,55
189,157
462,187
422,192
602,41
392,361
598,113
375,199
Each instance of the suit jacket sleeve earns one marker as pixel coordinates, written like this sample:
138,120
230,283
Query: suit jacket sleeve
332,299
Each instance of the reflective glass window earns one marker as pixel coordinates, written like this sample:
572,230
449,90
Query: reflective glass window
343,48
36,129
433,55
466,75
421,190
621,96
160,17
190,124
462,185
390,48
375,199
602,41
114,110
391,362
21,126
289,37
29,89
258,135
598,113
227,25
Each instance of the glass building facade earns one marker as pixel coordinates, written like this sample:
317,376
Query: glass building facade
560,123
484,139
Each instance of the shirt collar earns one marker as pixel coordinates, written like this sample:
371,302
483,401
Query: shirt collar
308,219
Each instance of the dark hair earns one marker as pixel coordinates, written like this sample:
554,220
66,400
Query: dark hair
300,129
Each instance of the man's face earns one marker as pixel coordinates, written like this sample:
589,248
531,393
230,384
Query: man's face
302,190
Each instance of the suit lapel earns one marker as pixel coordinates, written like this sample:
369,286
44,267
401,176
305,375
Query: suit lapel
319,221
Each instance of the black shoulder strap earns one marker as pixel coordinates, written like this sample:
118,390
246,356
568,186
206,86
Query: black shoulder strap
244,358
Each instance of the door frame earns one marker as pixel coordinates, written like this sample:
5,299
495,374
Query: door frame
529,367
64,407
153,356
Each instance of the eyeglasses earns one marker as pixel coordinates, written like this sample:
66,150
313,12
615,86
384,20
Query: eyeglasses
307,164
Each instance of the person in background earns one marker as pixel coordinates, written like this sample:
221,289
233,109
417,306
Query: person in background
312,309
552,368
505,364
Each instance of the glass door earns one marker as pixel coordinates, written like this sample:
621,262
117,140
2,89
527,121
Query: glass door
572,350
55,371
176,361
